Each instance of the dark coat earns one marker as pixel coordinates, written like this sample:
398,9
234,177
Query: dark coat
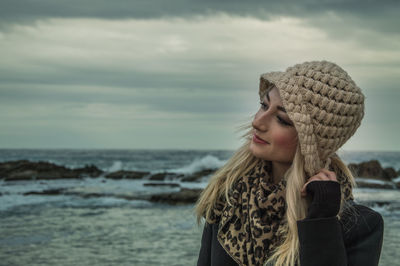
354,240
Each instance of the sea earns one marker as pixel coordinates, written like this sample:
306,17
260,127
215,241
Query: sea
111,230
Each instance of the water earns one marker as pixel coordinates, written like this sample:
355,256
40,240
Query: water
109,230
114,160
109,234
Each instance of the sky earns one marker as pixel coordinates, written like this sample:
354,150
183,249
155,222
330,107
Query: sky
177,74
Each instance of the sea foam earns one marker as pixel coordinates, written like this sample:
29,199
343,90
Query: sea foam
198,164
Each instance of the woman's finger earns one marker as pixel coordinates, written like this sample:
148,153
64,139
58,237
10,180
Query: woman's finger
322,175
331,175
304,188
325,177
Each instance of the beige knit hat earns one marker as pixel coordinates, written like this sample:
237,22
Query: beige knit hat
325,105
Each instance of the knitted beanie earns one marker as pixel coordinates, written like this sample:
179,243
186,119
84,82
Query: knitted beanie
325,105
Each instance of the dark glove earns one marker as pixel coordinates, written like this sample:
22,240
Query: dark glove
325,199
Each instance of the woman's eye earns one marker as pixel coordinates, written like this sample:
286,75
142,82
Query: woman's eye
263,106
280,120
283,122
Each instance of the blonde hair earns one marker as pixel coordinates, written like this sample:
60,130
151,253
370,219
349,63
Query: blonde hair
287,252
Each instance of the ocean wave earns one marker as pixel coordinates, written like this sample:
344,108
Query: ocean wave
116,166
199,164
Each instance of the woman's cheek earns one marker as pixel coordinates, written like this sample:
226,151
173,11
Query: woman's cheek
287,141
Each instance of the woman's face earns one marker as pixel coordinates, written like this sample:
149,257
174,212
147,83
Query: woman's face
272,125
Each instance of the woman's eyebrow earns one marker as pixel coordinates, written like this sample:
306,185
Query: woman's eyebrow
279,107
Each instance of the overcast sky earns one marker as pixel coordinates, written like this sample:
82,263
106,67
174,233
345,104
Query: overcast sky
181,74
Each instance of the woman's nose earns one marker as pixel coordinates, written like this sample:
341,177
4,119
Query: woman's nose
261,121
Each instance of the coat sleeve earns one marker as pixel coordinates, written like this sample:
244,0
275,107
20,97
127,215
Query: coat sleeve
321,242
205,248
211,251
357,240
365,238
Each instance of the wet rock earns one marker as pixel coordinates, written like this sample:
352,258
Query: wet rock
91,195
396,181
134,197
371,183
126,174
48,192
390,173
88,171
380,186
26,170
164,176
161,184
370,169
65,191
184,196
196,177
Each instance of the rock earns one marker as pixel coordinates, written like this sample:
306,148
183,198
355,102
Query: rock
165,175
92,195
184,196
26,170
373,169
370,169
196,177
380,186
396,181
88,170
390,173
373,183
133,197
161,184
21,175
65,191
49,192
158,176
126,174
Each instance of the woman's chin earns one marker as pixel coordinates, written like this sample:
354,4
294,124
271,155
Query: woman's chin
257,151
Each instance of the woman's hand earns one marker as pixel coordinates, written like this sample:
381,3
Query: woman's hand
323,175
325,192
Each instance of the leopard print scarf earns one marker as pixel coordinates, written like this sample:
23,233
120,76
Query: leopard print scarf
248,228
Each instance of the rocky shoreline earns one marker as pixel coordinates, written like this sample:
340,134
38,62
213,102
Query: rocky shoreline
27,170
368,175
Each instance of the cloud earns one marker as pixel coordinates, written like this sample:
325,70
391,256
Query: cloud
187,76
165,63
177,52
380,16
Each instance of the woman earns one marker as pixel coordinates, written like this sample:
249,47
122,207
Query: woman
285,197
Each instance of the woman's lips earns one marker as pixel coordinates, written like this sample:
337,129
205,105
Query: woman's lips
258,140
